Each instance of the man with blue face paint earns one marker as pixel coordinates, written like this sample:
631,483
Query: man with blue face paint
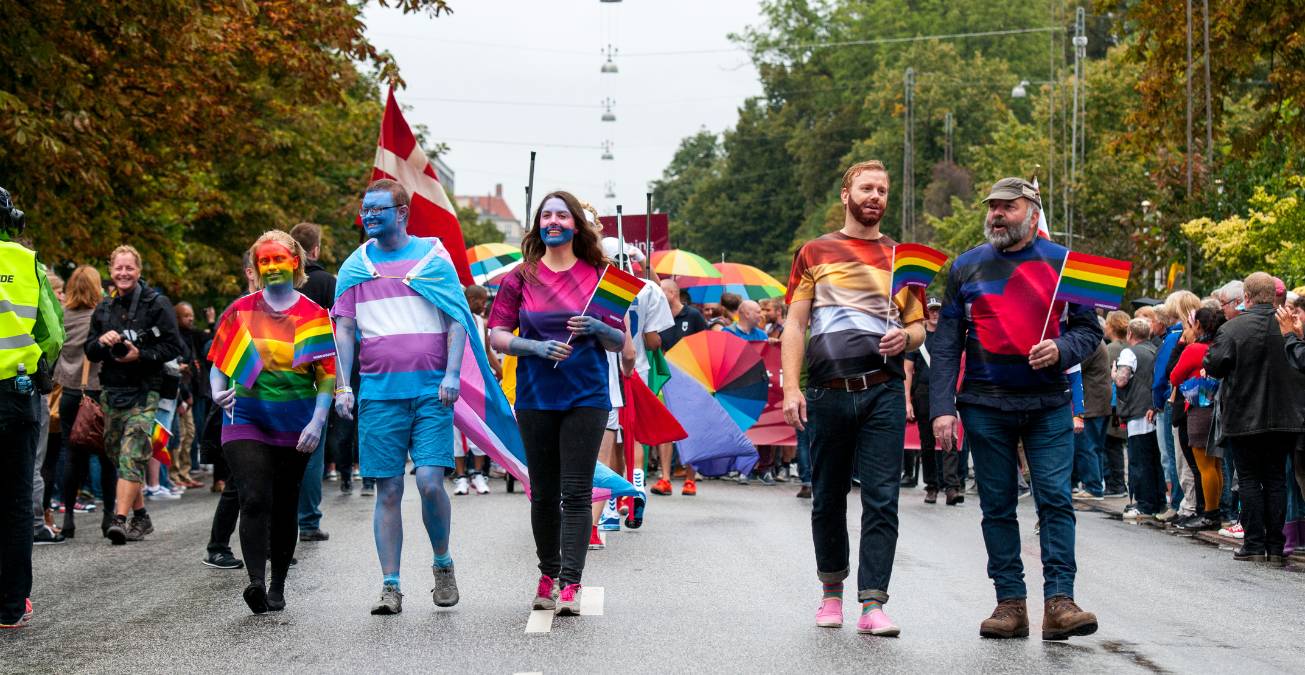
399,304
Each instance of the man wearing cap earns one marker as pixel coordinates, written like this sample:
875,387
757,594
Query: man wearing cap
999,312
939,468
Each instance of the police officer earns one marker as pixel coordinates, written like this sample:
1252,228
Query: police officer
30,328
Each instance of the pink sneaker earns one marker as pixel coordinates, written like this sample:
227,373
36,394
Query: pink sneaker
830,614
568,601
544,595
876,622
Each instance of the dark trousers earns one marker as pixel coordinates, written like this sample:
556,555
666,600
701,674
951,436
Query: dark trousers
859,432
1113,465
1146,484
1047,437
941,469
269,478
1088,447
19,426
562,451
78,461
1262,481
225,516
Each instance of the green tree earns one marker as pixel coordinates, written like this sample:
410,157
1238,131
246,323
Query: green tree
1268,238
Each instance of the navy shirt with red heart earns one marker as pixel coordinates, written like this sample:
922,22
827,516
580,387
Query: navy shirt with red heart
995,310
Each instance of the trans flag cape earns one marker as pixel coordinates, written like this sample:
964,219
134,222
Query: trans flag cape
482,412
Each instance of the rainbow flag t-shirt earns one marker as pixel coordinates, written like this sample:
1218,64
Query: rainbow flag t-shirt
280,403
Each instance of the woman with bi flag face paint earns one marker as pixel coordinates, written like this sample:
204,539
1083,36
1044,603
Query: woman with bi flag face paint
274,372
562,399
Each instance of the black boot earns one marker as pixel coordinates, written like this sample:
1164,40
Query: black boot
910,468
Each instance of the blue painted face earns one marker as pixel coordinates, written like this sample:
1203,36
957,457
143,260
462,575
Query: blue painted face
556,226
380,218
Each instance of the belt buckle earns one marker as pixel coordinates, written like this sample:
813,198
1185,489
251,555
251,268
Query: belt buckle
863,379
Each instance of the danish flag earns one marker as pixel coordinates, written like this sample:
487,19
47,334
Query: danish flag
399,157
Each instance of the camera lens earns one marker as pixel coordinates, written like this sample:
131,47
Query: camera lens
119,350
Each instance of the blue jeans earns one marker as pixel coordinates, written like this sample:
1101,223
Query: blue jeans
1145,484
994,436
860,431
804,454
310,488
1088,455
1164,431
1228,507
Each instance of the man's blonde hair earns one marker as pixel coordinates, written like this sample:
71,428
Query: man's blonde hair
283,238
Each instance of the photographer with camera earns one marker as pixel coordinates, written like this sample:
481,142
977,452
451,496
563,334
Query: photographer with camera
133,334
31,334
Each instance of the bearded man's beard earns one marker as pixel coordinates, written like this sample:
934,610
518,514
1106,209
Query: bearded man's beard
1014,234
860,216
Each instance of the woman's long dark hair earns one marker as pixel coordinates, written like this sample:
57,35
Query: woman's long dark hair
585,244
1209,319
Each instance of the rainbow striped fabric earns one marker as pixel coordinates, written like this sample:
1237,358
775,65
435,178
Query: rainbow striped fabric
1093,280
613,296
159,443
234,353
314,340
915,265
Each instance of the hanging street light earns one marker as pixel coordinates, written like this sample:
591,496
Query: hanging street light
607,151
608,115
609,66
1018,90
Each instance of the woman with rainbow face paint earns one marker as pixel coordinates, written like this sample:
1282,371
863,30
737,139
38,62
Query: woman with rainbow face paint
274,372
562,399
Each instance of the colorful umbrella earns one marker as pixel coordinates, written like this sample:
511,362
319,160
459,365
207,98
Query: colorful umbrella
746,281
488,260
727,368
682,264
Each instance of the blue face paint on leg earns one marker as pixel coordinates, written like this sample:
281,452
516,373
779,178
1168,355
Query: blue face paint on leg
436,511
556,224
387,524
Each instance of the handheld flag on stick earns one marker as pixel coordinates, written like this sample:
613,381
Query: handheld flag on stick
613,296
1090,280
235,354
159,444
915,265
313,340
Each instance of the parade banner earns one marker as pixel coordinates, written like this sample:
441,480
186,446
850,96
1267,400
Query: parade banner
638,229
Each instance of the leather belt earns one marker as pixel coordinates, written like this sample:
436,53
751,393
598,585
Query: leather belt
860,382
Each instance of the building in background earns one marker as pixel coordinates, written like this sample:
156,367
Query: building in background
495,208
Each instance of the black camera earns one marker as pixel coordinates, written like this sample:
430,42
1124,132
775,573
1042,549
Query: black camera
11,219
141,339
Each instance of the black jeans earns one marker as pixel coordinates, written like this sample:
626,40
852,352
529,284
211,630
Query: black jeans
1145,474
1262,480
269,478
561,451
941,469
78,461
226,515
1114,465
861,430
19,426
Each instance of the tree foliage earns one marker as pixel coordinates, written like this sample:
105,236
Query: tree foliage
1269,236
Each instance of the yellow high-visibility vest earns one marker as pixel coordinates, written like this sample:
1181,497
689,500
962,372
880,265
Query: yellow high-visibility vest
20,291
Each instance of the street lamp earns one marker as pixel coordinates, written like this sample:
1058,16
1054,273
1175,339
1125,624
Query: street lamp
1018,90
609,66
607,150
608,115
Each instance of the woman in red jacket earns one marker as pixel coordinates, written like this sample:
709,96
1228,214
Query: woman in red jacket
1189,379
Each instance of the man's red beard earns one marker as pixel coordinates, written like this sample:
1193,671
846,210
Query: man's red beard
859,214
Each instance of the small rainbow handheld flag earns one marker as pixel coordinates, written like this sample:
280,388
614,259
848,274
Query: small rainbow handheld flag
159,444
1093,280
313,340
236,355
613,296
915,265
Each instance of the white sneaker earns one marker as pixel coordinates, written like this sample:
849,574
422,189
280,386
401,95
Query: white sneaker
460,485
1133,514
158,492
479,482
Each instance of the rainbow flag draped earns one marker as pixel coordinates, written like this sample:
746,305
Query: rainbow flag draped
159,444
1093,280
235,354
613,296
314,340
915,265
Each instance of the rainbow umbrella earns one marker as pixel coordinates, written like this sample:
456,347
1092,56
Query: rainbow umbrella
489,260
682,264
727,368
745,281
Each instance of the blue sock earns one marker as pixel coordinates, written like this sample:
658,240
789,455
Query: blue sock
443,561
390,580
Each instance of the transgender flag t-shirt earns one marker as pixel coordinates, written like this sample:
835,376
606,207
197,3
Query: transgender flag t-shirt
404,345
540,310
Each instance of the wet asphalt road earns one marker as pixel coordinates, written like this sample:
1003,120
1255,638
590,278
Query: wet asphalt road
723,582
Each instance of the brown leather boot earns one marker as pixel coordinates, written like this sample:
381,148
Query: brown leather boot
1062,619
1009,620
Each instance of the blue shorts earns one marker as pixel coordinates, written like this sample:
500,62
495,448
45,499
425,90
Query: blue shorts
390,430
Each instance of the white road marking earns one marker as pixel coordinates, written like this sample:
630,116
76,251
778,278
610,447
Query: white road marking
541,621
591,601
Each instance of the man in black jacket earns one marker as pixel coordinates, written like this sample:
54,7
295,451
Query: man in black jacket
1261,393
320,288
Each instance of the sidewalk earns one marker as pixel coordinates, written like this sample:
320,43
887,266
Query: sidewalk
1115,509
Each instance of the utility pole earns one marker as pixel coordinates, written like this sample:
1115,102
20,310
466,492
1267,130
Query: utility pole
908,149
1078,125
1188,267
949,124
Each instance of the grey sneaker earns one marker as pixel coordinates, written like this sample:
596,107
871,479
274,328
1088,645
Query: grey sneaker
368,489
391,601
445,593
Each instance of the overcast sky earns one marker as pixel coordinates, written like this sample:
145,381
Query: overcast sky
498,78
